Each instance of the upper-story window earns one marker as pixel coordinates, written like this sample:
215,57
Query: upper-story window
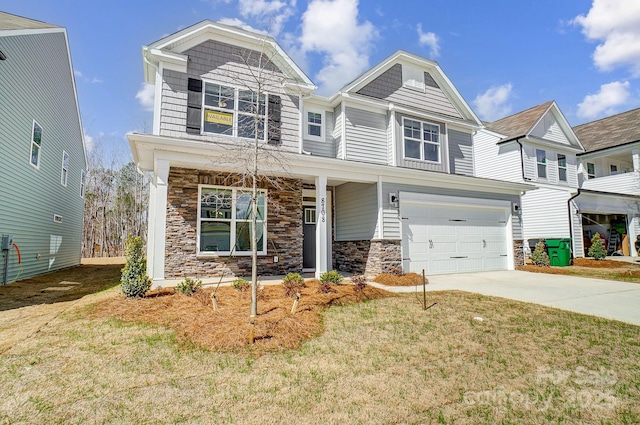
233,111
314,123
83,182
613,169
562,167
541,160
591,170
64,173
36,143
421,140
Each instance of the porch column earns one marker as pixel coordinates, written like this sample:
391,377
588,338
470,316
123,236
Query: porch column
636,159
322,212
161,178
151,223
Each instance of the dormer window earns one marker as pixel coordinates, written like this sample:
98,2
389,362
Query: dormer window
314,124
562,167
541,160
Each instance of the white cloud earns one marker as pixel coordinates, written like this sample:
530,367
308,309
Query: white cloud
89,141
429,39
494,104
616,25
331,29
146,96
235,22
272,14
604,102
80,76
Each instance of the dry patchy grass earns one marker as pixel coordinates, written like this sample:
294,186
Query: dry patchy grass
384,361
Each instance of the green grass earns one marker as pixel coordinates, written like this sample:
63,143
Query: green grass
383,362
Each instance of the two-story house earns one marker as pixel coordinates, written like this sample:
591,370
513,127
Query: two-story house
536,146
609,175
43,159
378,175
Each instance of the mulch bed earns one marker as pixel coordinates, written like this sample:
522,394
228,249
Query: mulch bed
602,264
409,279
227,329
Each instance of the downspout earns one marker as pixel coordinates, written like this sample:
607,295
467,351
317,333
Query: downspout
521,158
571,221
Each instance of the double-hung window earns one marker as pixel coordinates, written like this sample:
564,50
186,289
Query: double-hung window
233,112
224,220
562,167
36,142
314,125
64,173
541,160
591,170
421,140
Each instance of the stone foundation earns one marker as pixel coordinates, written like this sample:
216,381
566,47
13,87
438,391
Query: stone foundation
284,228
367,257
518,253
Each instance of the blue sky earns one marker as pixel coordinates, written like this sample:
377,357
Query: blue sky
503,56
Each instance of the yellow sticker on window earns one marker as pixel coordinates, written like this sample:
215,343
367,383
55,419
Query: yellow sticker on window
218,117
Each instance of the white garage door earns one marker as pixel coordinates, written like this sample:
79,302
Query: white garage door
453,238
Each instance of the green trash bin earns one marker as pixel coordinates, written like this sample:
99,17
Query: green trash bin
559,251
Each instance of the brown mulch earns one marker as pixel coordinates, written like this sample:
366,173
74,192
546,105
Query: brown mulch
602,264
227,329
409,279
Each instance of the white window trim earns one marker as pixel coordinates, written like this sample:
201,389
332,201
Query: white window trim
233,222
33,129
322,124
234,111
64,171
422,141
565,168
545,163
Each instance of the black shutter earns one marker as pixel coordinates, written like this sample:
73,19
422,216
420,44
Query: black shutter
194,106
275,107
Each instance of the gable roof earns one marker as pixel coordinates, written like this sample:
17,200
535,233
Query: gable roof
520,124
617,130
15,22
169,50
400,57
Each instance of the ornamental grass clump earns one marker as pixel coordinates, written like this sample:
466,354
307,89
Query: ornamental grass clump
597,249
188,286
332,276
292,283
241,284
539,256
134,282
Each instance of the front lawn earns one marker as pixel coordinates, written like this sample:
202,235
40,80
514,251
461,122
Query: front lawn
470,359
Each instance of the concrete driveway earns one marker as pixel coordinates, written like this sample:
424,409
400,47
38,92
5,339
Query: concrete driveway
596,297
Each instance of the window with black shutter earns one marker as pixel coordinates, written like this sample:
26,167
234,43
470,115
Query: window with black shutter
194,106
274,132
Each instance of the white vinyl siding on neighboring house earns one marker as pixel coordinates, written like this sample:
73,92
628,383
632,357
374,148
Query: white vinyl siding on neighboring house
494,161
549,129
545,213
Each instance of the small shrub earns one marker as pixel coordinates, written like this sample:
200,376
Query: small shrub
134,280
597,249
396,271
359,282
188,286
331,276
241,284
291,284
539,256
326,288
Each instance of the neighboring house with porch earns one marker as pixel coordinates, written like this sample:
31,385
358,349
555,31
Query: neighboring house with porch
43,159
535,146
379,175
609,175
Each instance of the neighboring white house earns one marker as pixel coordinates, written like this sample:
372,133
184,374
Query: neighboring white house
609,173
379,175
534,146
42,159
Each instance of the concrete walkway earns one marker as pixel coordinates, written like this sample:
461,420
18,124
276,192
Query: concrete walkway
596,297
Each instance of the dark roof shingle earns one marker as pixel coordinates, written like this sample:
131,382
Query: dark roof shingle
610,132
519,124
15,22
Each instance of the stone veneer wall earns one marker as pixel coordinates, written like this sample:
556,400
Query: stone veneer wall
518,253
284,228
367,257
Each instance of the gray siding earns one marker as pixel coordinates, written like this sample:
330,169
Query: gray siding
460,152
366,136
388,86
421,165
391,214
222,63
327,147
356,209
36,82
337,131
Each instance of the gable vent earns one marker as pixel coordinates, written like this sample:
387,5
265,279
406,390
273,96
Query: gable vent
412,77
